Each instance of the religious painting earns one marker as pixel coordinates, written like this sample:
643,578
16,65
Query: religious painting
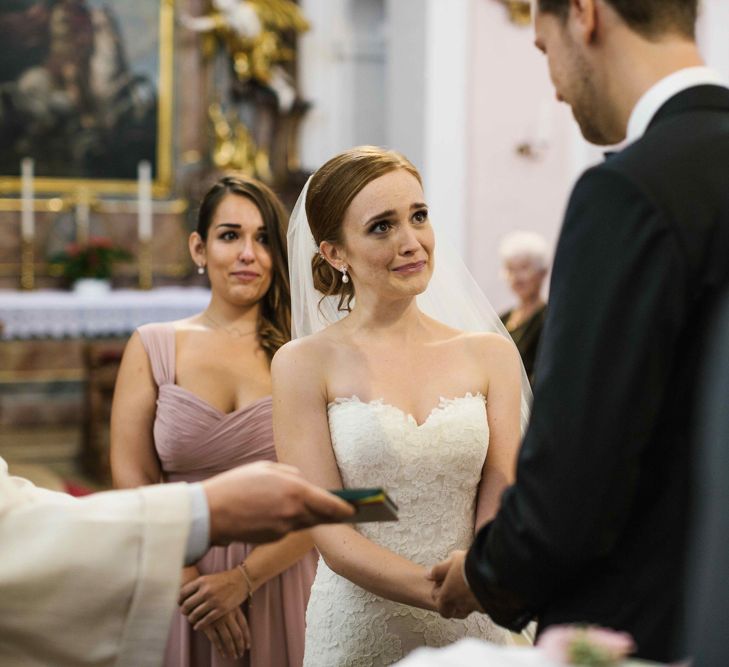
85,91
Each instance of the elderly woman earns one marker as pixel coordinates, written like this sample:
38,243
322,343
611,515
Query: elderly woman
525,260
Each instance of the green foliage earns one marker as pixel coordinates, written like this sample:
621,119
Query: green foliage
92,260
585,653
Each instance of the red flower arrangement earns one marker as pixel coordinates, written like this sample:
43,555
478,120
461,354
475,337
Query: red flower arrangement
92,260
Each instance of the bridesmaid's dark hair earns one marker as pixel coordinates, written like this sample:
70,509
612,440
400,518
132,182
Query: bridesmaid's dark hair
274,320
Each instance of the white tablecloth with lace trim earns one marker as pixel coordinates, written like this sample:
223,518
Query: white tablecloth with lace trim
476,653
58,314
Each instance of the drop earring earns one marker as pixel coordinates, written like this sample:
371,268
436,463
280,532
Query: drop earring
345,277
201,269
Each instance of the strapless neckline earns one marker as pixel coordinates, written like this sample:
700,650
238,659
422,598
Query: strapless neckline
443,405
221,414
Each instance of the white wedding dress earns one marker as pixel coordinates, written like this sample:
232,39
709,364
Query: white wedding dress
432,471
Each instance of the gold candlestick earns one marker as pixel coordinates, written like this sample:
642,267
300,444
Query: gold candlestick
27,267
145,265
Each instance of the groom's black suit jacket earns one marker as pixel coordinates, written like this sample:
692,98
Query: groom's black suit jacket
594,529
707,583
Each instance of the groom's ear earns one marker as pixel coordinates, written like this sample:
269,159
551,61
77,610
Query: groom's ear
332,254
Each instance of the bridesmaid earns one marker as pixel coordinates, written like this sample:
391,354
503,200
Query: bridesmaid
193,399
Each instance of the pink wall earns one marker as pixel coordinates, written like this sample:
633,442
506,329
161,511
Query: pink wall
510,90
509,82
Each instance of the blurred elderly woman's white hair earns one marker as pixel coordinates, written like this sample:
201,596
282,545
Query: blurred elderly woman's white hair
523,244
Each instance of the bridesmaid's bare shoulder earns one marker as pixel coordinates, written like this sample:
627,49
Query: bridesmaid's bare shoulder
193,323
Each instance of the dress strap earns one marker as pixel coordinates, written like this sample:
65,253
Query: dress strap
158,339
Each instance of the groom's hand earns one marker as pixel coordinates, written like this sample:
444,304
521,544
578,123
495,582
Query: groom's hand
451,593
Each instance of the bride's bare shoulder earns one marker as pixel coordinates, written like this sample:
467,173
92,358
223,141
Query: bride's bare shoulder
494,351
478,342
487,339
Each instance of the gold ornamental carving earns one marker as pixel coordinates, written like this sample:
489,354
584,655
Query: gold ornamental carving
520,11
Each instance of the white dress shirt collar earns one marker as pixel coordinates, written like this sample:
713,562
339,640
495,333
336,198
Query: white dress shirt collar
658,94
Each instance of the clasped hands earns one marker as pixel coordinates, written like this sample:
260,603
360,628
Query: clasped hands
212,604
451,595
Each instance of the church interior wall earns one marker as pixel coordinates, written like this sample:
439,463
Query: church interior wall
453,84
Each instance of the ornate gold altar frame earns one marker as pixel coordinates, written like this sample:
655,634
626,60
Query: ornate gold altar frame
520,11
163,178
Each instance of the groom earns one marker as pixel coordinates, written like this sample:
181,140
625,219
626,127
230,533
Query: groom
594,529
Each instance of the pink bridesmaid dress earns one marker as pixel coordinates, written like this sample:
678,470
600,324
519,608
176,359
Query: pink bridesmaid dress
194,441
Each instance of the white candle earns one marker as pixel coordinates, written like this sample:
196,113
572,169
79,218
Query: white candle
543,132
27,221
144,201
83,215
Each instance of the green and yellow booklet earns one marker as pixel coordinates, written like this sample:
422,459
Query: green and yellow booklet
372,504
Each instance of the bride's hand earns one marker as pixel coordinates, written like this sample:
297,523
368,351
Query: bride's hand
208,598
425,599
451,593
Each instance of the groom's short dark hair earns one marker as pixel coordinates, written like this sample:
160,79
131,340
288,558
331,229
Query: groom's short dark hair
650,18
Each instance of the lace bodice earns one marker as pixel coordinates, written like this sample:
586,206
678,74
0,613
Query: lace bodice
432,471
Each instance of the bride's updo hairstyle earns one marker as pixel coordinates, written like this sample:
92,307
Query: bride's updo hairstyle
331,191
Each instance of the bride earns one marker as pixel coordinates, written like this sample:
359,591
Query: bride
387,395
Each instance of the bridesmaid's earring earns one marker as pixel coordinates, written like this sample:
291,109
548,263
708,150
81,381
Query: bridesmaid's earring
345,277
201,269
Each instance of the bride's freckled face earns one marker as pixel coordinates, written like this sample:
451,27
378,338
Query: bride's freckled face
388,238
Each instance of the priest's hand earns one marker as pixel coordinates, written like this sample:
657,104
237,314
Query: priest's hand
262,502
451,593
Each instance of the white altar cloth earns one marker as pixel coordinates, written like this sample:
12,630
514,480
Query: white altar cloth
59,314
476,653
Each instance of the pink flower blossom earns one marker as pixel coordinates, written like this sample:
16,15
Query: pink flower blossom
585,645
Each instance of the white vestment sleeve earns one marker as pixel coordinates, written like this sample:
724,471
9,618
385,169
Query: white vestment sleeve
90,581
198,539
